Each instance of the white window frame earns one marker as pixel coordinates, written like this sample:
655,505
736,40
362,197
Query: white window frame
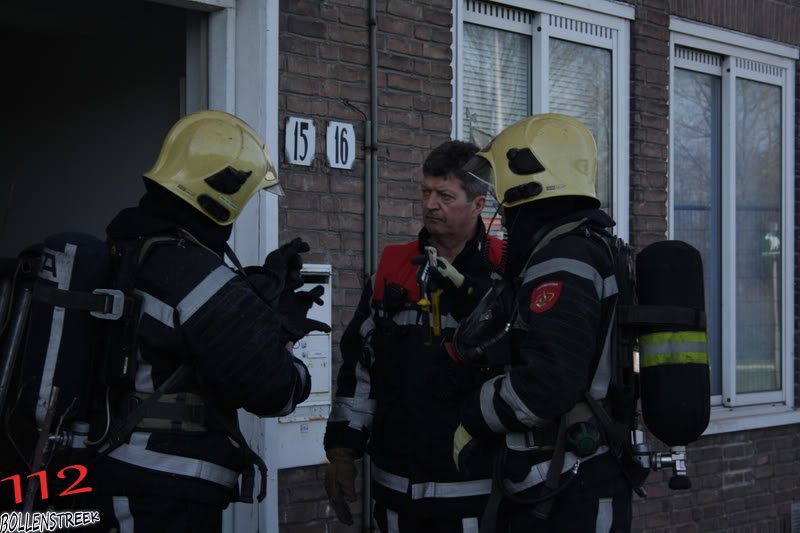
752,58
598,23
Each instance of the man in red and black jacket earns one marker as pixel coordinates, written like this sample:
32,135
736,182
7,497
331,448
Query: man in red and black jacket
398,390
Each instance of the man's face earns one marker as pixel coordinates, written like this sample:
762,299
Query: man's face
445,208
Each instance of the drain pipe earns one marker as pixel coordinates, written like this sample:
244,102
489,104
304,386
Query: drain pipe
371,190
371,218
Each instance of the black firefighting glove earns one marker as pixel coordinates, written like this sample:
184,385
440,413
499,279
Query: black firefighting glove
286,263
293,308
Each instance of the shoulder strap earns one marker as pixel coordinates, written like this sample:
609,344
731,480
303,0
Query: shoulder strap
127,258
102,303
617,415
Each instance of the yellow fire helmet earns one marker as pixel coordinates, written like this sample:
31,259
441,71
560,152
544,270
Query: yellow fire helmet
215,162
539,157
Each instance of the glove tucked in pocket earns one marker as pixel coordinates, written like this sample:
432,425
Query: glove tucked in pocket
340,482
472,456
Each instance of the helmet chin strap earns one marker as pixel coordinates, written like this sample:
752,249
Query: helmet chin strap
235,260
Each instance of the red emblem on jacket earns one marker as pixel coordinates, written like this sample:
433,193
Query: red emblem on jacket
545,296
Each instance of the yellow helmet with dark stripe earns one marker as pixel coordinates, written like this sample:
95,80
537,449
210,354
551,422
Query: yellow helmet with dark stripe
539,157
215,162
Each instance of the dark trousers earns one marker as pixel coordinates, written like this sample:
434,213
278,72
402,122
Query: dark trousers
597,500
134,514
135,500
390,521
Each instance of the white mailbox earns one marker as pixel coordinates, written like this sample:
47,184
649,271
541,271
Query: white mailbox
300,434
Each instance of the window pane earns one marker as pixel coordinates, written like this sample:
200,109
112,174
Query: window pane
496,88
696,194
758,227
580,86
496,81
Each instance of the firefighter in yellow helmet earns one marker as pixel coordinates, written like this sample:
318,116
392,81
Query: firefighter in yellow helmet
554,470
210,339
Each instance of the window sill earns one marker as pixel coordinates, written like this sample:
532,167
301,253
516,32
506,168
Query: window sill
730,419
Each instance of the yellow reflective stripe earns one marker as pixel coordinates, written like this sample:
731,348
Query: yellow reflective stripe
675,358
673,347
673,336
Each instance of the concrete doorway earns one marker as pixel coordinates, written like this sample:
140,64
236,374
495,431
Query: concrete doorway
90,88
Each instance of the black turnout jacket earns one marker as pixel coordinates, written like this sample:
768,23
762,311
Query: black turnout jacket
199,312
565,297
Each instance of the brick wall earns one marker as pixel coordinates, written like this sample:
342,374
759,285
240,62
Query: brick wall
741,481
771,19
649,123
303,506
324,58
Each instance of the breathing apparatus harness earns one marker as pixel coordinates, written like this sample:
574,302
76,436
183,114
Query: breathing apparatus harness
70,404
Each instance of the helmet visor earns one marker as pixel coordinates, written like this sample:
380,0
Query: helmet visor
271,176
480,169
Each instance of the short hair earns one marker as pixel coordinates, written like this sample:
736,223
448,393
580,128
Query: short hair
449,158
